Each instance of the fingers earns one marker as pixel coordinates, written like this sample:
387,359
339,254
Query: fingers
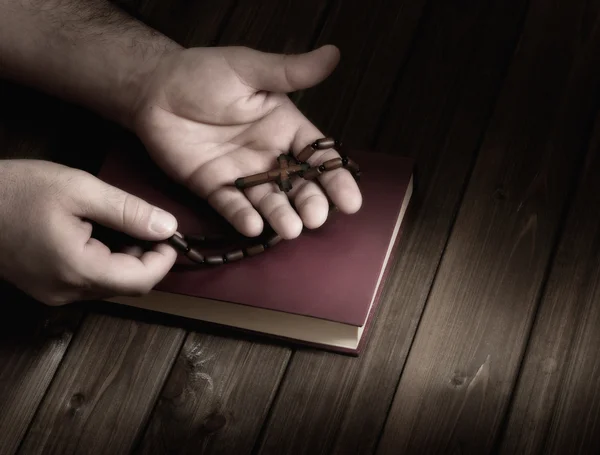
310,203
116,209
244,211
125,274
237,210
277,210
338,184
280,72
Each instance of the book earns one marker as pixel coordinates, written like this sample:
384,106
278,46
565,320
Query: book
319,289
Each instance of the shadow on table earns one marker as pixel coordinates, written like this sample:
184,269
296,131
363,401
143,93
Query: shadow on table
27,321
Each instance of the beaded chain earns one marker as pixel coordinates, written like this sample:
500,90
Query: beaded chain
288,166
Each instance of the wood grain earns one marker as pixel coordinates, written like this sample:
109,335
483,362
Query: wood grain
357,28
33,340
394,41
286,27
105,387
554,396
348,398
466,354
216,397
574,426
189,23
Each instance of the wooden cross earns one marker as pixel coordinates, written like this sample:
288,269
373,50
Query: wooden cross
284,179
281,175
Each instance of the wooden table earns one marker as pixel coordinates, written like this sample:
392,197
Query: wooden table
489,333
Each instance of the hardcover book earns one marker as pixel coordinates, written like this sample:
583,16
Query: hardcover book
319,289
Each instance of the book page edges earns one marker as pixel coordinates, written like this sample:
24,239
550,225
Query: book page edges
260,320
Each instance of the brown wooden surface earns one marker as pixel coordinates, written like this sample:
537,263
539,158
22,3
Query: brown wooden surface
105,387
466,354
555,371
486,337
32,345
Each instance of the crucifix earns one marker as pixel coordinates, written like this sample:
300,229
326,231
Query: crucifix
299,167
281,175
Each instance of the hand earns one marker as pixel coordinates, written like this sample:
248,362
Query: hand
211,115
45,235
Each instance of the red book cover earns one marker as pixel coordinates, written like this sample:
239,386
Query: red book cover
329,278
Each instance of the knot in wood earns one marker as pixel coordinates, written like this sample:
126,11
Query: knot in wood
76,402
457,380
214,422
499,194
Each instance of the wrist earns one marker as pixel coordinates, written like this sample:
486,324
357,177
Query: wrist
133,91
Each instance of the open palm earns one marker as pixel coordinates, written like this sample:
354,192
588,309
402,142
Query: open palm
211,115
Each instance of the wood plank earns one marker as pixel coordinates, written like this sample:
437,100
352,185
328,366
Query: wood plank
373,38
348,398
224,411
215,399
574,425
466,354
554,397
51,412
190,23
33,341
396,39
106,384
281,27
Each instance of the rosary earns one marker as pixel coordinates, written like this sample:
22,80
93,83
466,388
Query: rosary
288,167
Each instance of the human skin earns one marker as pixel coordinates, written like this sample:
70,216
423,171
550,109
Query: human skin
205,115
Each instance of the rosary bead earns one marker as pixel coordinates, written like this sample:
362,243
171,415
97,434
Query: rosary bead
195,256
234,255
325,143
332,164
254,250
214,260
179,243
352,166
273,241
306,153
344,160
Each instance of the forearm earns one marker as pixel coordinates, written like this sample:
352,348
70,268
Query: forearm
85,51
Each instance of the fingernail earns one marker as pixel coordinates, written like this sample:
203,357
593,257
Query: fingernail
162,222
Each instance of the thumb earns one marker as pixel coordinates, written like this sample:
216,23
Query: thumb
121,211
283,72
